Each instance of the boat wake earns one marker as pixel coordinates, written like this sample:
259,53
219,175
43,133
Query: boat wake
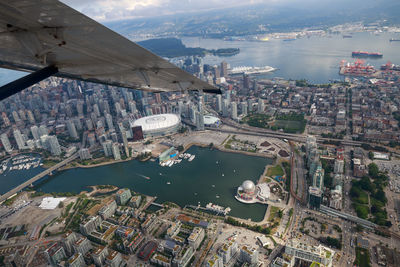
141,175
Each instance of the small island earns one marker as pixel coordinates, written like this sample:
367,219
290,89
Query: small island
173,47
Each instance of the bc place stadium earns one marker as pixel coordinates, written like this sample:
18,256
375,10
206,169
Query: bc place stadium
158,125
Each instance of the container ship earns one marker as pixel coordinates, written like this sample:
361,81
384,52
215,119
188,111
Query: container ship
389,66
366,54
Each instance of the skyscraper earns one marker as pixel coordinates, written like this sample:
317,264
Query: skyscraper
115,151
55,148
246,81
225,108
35,132
219,103
107,148
19,139
199,121
261,106
6,142
43,130
234,115
124,139
243,107
71,129
109,121
224,69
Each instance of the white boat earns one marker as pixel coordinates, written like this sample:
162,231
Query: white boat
191,157
168,182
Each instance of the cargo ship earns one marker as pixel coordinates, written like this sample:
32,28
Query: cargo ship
394,40
389,66
366,54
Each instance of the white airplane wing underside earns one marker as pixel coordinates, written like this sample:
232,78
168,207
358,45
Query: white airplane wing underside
35,34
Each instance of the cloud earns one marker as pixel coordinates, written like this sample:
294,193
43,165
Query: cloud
106,10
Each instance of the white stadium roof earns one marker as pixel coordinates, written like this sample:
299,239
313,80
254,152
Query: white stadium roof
157,122
209,119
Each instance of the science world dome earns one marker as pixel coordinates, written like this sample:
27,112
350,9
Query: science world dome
248,187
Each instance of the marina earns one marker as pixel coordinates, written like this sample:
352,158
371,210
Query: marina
173,161
22,162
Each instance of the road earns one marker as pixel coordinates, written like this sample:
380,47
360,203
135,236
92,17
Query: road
269,133
299,181
38,177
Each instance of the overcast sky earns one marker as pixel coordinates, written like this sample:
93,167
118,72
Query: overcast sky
106,10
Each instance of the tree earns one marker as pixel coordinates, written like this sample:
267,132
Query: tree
373,170
359,228
180,148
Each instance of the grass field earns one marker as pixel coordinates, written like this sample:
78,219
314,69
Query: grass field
275,171
362,257
290,126
273,213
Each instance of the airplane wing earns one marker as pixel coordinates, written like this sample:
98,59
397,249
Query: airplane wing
49,35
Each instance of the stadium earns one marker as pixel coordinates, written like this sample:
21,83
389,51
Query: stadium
158,125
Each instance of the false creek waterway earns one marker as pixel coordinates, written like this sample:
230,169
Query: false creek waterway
202,180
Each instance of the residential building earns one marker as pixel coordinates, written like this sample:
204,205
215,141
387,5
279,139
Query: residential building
249,255
89,225
108,209
99,255
76,261
115,151
123,196
214,261
319,254
6,143
228,250
82,245
196,237
114,259
55,253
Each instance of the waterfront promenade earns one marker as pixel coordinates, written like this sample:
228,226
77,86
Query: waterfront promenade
38,177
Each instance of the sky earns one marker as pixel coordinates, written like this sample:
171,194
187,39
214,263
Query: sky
109,10
114,10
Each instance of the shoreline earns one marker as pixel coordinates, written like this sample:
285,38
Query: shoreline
187,147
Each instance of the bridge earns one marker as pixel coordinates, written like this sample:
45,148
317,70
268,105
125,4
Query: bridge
349,217
38,177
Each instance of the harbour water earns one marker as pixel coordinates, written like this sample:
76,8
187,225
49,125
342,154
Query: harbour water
316,59
202,180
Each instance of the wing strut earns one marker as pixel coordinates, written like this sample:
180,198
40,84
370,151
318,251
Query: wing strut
26,81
